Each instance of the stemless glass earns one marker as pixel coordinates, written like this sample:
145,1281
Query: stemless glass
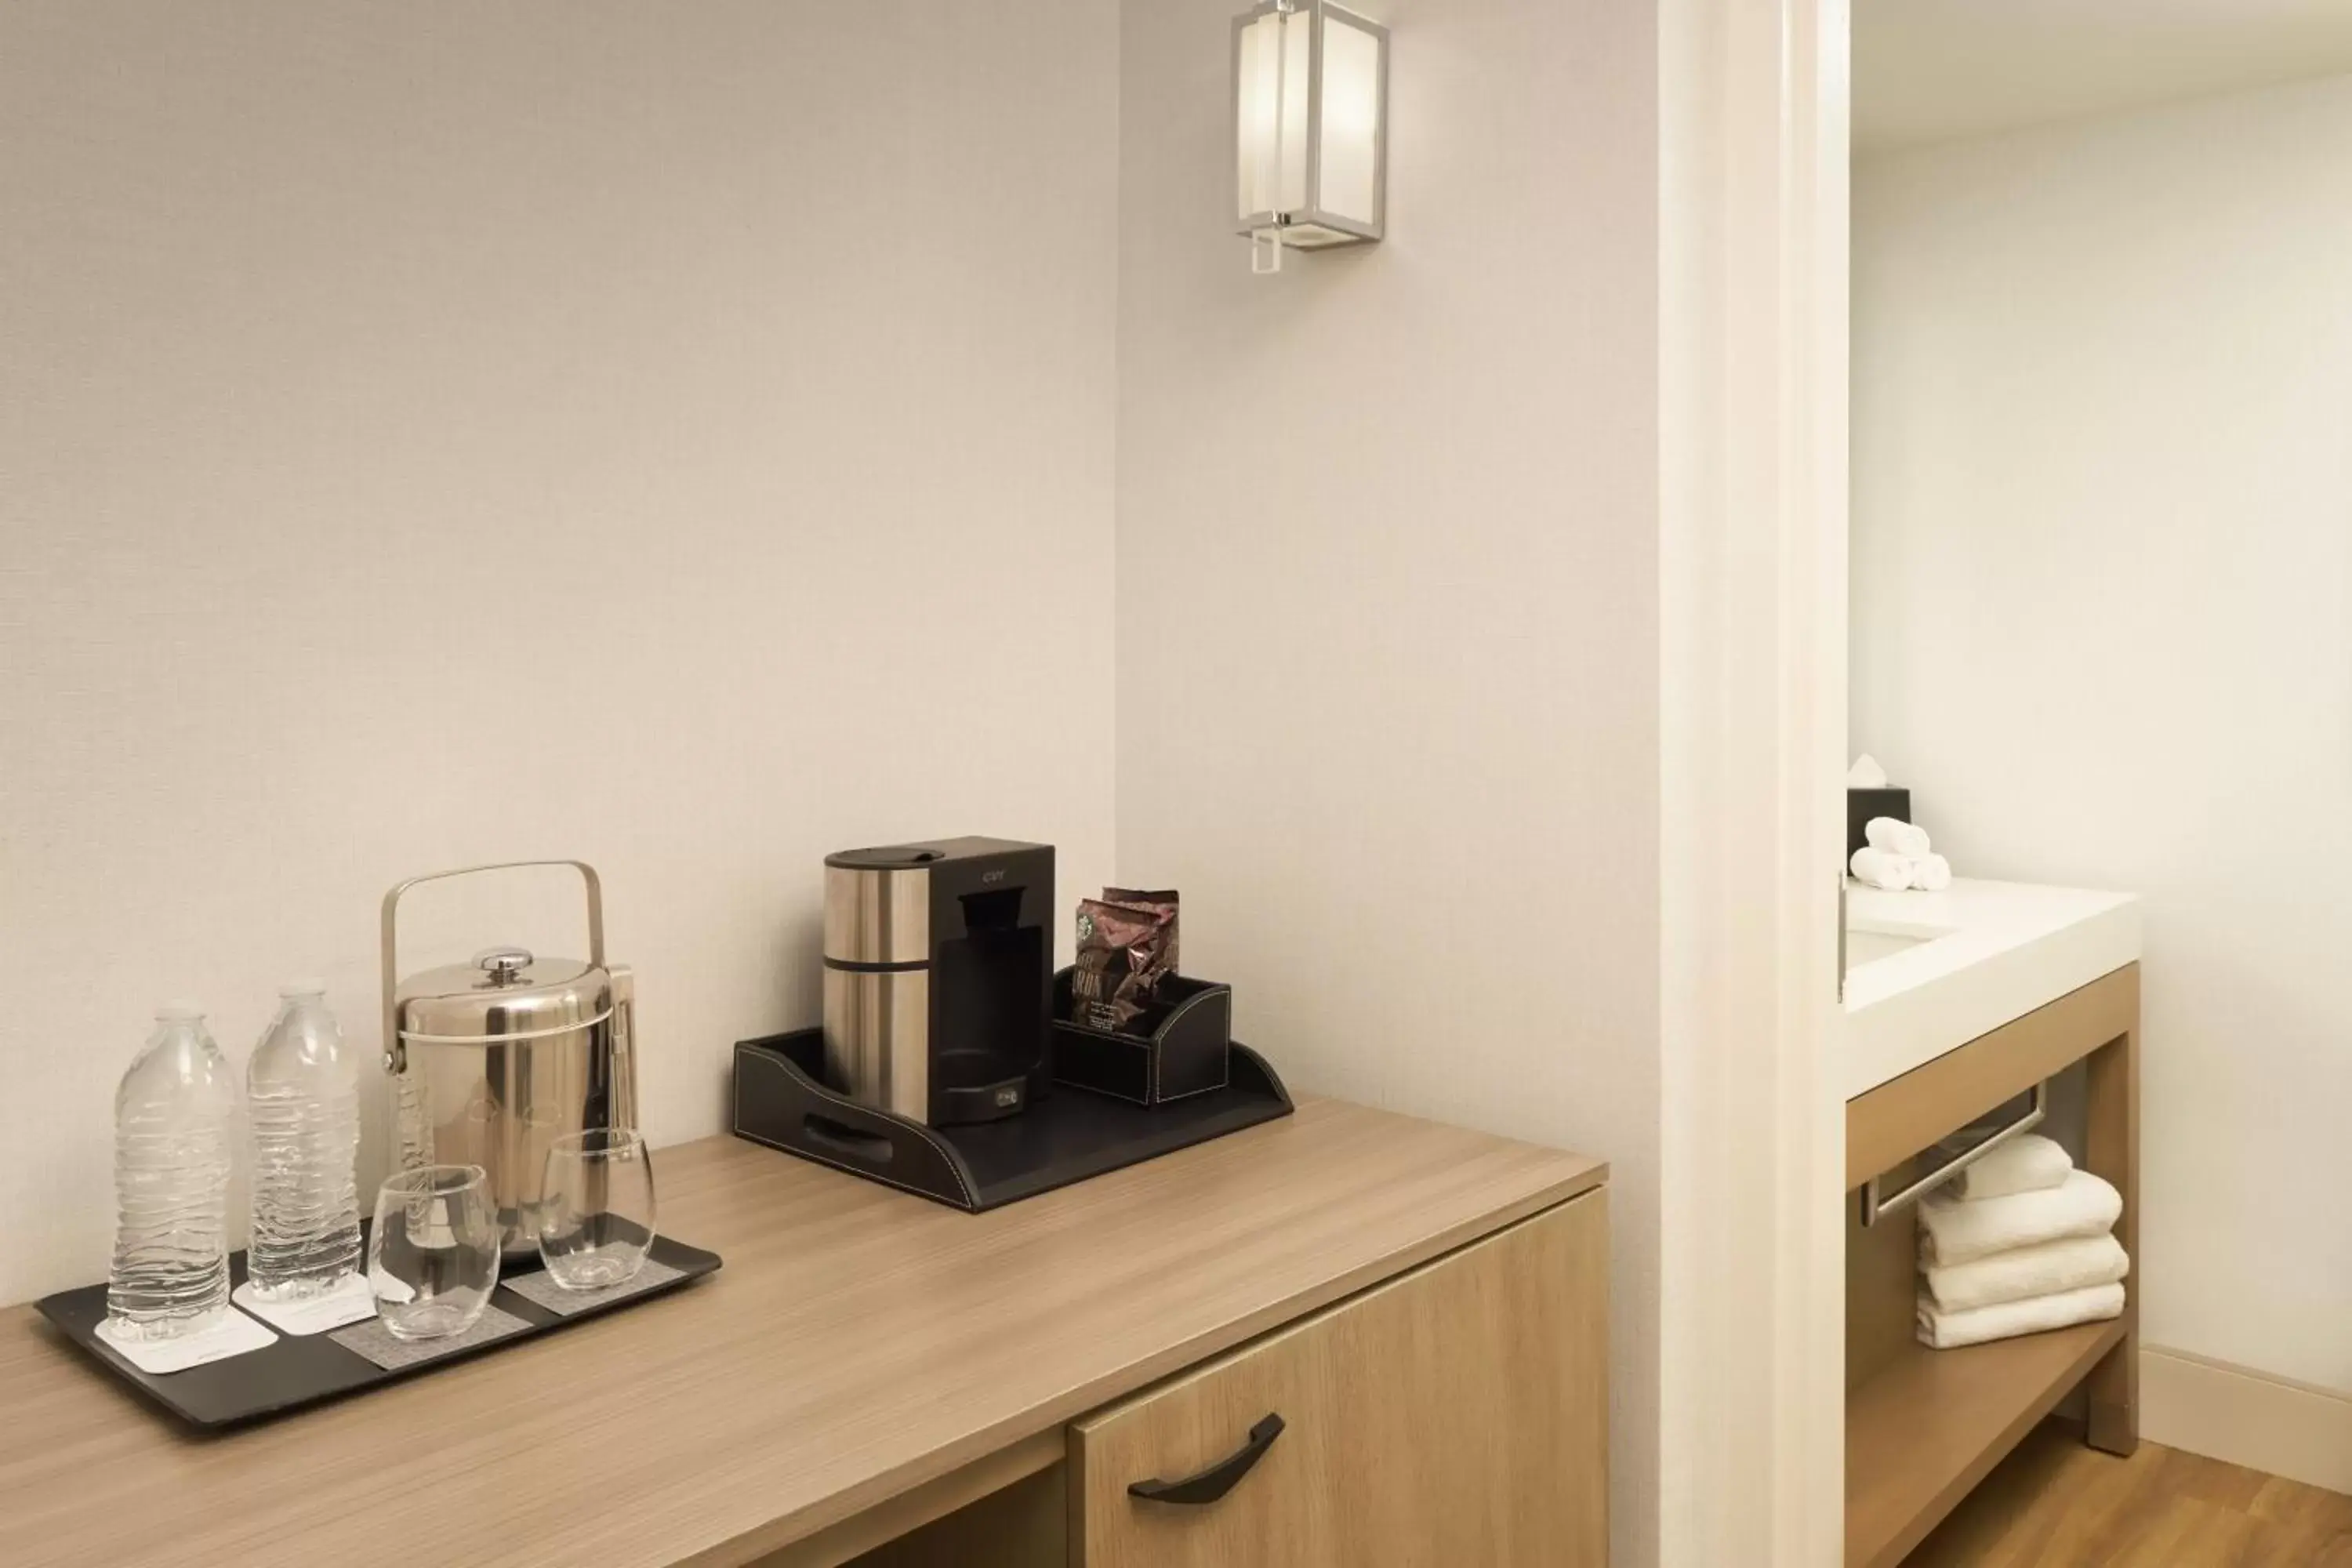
433,1257
596,1208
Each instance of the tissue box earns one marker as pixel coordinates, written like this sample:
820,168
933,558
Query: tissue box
1862,805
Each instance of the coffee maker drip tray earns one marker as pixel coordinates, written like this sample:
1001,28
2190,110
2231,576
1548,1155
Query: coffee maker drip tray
784,1101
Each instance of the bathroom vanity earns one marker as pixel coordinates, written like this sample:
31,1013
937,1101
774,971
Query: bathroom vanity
874,1379
1957,1003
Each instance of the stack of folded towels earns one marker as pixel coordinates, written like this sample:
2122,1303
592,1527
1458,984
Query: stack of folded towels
1897,857
2018,1243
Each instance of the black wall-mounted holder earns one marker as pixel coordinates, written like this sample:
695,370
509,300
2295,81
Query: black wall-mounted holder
1176,1050
1862,805
784,1100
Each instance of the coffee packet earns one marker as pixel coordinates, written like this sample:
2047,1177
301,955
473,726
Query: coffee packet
1122,956
1160,902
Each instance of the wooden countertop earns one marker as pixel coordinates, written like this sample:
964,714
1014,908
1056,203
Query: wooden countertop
858,1343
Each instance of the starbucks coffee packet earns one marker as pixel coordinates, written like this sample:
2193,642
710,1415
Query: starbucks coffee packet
1161,902
1123,950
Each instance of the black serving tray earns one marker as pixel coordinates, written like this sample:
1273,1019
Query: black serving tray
784,1101
302,1370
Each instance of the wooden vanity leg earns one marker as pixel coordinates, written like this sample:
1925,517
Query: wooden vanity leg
2113,1152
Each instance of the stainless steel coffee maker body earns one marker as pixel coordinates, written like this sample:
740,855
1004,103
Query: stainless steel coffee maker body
493,1060
937,974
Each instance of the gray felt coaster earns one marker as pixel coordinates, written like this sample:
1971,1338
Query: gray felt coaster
374,1341
540,1290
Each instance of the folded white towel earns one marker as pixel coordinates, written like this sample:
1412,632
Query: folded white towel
1865,774
1942,1331
1953,1230
2077,1263
1888,873
1895,837
1931,873
2029,1164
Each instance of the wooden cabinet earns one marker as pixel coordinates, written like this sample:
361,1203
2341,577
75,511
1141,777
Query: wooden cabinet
876,1380
1456,1415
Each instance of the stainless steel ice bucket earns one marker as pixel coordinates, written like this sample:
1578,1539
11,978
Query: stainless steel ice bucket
491,1061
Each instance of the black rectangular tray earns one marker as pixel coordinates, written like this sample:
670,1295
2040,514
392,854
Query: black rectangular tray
302,1370
781,1100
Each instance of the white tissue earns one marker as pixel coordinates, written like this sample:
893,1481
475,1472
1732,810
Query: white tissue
1865,774
231,1333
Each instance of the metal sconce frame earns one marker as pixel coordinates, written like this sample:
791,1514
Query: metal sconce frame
1313,226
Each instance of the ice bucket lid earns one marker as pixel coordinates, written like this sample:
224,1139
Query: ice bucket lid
505,994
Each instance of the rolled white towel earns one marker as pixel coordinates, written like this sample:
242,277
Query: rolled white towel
1865,774
1888,873
2077,1263
1953,1230
1895,837
1942,1331
1931,873
2029,1164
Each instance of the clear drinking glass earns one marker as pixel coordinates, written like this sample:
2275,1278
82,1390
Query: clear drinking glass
433,1257
596,1208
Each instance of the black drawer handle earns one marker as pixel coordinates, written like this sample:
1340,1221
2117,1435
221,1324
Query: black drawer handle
1219,1479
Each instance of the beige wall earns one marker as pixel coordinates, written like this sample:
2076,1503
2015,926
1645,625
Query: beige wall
2102,627
1388,565
680,436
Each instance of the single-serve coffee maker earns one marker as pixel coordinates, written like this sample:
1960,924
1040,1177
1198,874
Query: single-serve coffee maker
938,975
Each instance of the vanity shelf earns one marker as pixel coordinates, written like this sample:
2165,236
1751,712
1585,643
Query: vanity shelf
1927,1427
1924,1426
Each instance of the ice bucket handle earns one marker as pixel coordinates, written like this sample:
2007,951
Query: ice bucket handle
394,1056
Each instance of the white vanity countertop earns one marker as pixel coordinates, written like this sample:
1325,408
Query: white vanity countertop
1930,972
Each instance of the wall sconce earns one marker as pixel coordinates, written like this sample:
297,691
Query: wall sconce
1310,128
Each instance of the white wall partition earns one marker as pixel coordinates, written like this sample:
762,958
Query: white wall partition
1389,597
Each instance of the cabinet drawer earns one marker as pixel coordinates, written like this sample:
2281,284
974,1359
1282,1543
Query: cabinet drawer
1456,1415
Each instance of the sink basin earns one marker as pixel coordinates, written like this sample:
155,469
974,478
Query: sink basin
1864,945
1927,972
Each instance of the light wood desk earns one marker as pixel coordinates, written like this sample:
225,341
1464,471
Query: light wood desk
867,1362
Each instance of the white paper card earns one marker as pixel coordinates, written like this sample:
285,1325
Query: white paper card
347,1302
233,1334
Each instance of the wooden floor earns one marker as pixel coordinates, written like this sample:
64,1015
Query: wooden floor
2055,1503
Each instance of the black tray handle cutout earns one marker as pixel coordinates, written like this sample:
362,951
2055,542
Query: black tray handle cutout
781,1100
846,1140
1219,1479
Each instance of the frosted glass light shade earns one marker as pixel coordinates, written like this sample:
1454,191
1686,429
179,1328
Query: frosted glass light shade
1310,124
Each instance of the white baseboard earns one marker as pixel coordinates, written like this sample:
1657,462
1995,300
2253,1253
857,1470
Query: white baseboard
2246,1417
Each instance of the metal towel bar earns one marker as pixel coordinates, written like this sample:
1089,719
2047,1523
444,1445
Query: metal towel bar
1873,1208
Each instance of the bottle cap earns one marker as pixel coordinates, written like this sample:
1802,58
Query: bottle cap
180,1012
306,985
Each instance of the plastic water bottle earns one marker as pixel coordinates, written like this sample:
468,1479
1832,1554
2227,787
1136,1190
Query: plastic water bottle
175,1126
302,1096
